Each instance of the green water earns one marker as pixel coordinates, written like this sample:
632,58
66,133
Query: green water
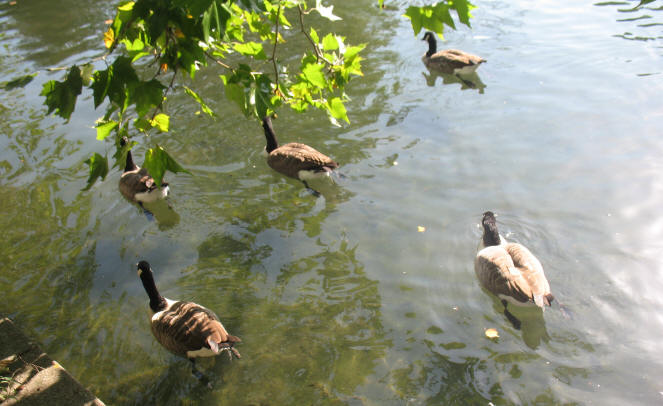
340,300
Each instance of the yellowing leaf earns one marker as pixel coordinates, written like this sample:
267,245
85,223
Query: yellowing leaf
109,37
421,229
492,333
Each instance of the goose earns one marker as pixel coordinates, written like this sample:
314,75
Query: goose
294,159
186,329
137,185
451,61
510,271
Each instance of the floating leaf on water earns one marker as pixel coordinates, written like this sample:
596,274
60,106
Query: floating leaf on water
492,333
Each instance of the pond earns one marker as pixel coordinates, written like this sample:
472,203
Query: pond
366,295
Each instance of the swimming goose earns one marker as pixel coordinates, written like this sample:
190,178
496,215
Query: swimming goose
186,329
137,185
451,61
296,160
510,271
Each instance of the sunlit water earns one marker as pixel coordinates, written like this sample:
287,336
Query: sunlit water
341,300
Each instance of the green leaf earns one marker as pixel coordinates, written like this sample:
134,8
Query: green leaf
87,73
104,129
329,42
200,101
98,168
19,82
326,12
314,36
100,86
337,109
434,17
313,74
415,15
253,49
147,95
61,96
463,8
142,124
161,121
157,162
263,96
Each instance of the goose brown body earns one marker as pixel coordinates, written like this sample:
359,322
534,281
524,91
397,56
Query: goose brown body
188,329
449,60
510,270
294,159
137,185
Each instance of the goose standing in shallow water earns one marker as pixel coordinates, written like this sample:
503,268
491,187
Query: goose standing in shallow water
186,329
451,61
137,185
510,271
296,160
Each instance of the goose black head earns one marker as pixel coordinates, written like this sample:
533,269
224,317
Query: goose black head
491,235
432,42
143,266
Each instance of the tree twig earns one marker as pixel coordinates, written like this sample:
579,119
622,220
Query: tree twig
276,41
318,54
230,68
168,89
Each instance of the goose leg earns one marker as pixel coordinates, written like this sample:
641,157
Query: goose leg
310,189
511,317
199,375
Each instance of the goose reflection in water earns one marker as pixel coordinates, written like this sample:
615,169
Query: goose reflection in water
161,211
467,81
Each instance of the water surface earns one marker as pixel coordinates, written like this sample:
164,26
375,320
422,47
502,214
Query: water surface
340,300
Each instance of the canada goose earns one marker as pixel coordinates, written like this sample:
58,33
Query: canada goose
137,185
451,61
186,329
296,160
510,271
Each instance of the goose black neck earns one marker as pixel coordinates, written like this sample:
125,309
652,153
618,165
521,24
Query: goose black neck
157,302
272,144
130,166
491,235
432,44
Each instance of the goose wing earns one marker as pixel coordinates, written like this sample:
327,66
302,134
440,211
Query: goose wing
187,326
531,269
294,157
458,57
498,273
